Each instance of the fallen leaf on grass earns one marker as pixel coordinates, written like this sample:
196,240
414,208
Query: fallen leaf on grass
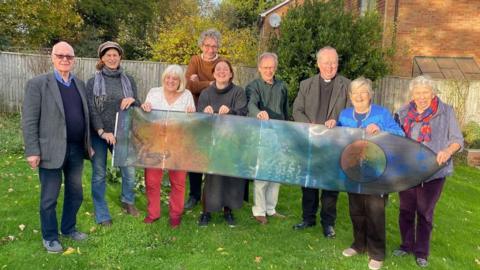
258,259
21,227
220,249
88,213
310,247
78,250
93,229
35,231
69,251
477,261
10,190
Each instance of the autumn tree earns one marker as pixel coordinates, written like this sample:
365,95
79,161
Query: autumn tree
178,36
33,25
129,22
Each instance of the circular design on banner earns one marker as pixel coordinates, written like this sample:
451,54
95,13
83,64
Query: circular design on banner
363,161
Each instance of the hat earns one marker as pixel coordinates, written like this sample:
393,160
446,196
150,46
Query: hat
109,45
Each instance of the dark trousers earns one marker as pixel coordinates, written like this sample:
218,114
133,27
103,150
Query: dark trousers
51,181
195,180
416,208
367,213
328,212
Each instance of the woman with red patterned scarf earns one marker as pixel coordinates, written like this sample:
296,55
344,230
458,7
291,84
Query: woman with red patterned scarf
428,120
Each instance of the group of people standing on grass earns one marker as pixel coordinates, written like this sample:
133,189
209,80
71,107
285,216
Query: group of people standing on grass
65,121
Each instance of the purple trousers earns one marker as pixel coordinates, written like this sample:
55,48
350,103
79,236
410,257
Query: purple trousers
417,205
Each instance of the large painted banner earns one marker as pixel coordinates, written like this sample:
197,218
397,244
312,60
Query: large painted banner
344,159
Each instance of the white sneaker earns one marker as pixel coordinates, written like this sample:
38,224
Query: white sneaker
349,252
375,265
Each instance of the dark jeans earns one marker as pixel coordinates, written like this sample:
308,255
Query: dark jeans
328,212
418,204
367,213
51,181
195,180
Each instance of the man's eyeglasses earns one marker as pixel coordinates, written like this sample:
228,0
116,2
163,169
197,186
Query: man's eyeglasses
64,56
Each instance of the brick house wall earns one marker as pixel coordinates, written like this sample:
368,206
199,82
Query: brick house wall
434,28
444,28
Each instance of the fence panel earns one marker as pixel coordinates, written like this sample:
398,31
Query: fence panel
16,69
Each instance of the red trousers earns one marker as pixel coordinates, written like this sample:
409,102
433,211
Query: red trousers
153,184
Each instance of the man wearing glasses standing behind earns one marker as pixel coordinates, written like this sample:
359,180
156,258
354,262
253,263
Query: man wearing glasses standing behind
199,76
55,126
320,100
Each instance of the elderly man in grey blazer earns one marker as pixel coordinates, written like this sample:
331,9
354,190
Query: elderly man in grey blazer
320,100
55,126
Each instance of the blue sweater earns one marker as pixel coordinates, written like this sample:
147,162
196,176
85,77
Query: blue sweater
378,115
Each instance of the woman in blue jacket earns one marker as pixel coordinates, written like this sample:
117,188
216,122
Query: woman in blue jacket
367,212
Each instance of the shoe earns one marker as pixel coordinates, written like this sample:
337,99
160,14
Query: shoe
303,225
277,215
106,223
53,246
261,219
229,219
149,220
175,222
191,203
349,252
130,209
422,262
76,235
204,219
399,252
329,232
374,264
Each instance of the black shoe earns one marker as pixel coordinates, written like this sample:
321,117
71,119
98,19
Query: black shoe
229,219
191,203
329,232
303,225
204,219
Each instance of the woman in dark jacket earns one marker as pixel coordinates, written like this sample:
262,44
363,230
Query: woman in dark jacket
222,97
109,91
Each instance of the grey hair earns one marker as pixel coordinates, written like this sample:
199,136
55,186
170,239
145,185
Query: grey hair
267,55
326,48
422,80
177,71
359,83
54,48
210,33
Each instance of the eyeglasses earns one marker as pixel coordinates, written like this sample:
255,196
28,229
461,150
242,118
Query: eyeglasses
64,56
359,93
214,47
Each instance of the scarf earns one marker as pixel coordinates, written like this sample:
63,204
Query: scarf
414,117
99,89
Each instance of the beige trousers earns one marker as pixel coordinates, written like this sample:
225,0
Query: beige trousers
265,198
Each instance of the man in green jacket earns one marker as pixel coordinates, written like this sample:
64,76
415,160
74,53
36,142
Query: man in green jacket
268,99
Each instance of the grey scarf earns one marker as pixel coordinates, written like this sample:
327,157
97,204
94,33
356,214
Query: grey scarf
99,91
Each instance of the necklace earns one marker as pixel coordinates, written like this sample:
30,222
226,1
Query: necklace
366,115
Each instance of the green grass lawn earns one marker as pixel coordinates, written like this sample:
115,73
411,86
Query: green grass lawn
130,244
